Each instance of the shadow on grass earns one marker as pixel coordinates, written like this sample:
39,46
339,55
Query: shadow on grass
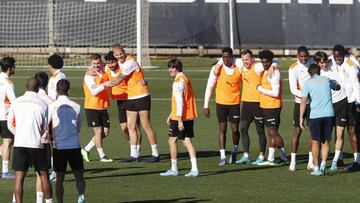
185,155
184,199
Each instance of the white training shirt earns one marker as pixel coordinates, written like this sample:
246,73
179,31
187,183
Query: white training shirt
129,66
28,120
178,89
349,80
90,82
42,94
66,123
333,74
274,82
298,74
7,95
58,75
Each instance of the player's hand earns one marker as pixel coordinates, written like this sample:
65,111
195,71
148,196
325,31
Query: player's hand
207,112
107,84
180,125
302,123
91,72
143,82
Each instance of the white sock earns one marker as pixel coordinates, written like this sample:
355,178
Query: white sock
323,164
246,154
336,156
154,150
341,156
5,166
271,155
52,162
293,158
261,157
222,154
14,200
39,197
101,152
138,149
49,200
235,149
89,146
355,156
174,165
283,154
82,196
316,168
310,162
133,151
194,164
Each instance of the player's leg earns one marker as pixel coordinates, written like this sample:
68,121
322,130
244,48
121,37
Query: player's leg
259,125
8,139
234,119
222,113
77,166
132,117
192,153
172,141
246,118
59,186
18,186
146,125
21,160
139,136
316,133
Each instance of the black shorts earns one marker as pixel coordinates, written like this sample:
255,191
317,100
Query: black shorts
97,118
341,112
187,132
251,111
228,112
4,130
357,121
321,128
296,118
47,150
121,104
351,113
272,117
141,104
63,156
23,158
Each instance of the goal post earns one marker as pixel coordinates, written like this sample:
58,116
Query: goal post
34,29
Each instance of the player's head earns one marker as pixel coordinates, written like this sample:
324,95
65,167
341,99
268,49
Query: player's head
247,57
111,61
321,59
303,54
8,65
175,66
227,55
266,57
314,69
55,61
62,87
43,79
32,84
339,52
96,61
119,53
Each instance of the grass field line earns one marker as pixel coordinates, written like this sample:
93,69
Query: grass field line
168,99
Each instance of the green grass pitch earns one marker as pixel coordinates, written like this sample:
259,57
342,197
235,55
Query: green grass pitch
140,182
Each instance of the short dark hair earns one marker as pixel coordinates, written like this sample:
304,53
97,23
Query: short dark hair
32,84
95,57
302,49
320,55
340,48
175,63
267,54
62,87
56,61
227,50
42,78
246,51
314,69
110,56
6,63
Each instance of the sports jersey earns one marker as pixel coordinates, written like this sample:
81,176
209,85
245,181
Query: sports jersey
250,80
96,95
271,90
183,99
348,79
7,95
58,75
227,77
118,92
42,94
330,72
298,74
66,123
28,120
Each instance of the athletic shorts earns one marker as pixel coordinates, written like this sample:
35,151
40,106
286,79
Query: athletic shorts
47,150
4,130
228,112
357,121
251,111
121,104
187,132
97,118
23,158
321,128
141,104
296,114
341,112
272,117
351,113
63,156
